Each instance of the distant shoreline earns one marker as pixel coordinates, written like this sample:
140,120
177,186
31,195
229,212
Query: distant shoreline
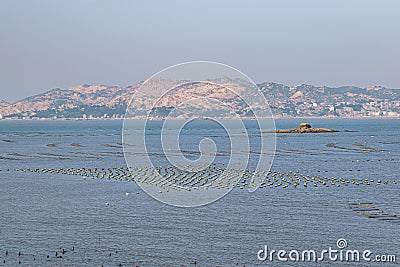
156,119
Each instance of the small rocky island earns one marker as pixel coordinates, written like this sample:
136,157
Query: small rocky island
306,128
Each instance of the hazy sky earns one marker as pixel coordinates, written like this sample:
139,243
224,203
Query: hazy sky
46,44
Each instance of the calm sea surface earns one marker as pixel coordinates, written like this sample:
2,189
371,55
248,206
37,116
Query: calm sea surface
42,213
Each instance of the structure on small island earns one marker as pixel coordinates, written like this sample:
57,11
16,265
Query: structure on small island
305,125
307,128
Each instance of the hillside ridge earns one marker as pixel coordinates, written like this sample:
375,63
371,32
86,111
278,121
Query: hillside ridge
305,100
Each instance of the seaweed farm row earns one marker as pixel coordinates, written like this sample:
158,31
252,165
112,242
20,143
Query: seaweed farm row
211,177
369,210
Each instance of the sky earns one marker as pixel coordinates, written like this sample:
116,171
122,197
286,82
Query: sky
48,44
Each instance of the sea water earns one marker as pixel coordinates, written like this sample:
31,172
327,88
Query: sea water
43,213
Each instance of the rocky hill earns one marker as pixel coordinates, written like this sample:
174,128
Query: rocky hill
6,109
101,101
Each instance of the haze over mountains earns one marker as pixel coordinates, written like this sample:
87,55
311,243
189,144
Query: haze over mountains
102,101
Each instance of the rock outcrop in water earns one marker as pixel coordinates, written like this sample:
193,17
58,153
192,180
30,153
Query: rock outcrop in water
307,128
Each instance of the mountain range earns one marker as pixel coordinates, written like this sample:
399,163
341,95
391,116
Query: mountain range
102,101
